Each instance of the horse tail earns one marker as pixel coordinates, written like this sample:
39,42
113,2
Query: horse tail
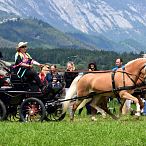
72,91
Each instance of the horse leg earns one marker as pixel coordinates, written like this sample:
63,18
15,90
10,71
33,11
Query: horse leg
98,109
126,107
82,91
121,107
96,101
104,109
78,104
74,107
140,102
109,113
126,95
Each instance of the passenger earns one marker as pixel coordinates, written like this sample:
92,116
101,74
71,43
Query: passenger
92,66
55,82
4,66
118,63
127,105
24,64
44,70
69,76
90,110
4,72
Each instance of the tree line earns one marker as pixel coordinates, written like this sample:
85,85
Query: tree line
81,57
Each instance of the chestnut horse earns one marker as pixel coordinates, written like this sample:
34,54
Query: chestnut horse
101,102
101,84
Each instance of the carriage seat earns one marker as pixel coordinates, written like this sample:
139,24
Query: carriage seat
21,82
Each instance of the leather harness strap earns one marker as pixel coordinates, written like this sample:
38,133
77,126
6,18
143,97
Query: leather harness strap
114,87
115,90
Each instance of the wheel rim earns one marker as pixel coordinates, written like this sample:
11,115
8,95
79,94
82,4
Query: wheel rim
32,111
13,115
56,115
2,111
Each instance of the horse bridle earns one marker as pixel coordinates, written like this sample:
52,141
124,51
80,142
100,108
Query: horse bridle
144,67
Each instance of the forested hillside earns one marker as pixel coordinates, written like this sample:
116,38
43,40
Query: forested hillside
104,59
37,33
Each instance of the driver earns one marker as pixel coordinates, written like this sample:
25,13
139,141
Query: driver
24,64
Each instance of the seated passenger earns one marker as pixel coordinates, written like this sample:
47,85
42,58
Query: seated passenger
4,72
4,66
54,79
44,70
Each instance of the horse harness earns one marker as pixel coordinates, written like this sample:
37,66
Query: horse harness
115,90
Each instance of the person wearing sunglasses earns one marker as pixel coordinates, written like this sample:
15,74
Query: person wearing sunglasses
24,64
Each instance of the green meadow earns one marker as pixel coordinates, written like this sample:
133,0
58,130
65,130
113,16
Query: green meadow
126,131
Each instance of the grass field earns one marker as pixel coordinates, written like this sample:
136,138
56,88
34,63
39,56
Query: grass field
127,131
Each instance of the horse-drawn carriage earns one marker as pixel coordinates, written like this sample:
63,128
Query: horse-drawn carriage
21,99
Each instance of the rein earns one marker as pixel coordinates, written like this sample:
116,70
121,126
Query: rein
95,93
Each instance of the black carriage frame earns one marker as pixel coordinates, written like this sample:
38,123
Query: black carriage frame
21,100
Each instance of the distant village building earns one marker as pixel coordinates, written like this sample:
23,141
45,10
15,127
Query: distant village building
144,55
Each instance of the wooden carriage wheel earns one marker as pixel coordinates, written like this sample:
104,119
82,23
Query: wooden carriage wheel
32,110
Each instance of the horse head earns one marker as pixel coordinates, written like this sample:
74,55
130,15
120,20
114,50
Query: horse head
142,76
136,69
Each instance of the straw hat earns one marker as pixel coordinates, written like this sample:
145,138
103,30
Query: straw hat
21,44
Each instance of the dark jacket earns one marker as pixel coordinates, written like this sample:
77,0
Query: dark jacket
49,77
69,77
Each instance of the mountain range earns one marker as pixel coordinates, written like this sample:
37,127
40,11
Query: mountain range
118,25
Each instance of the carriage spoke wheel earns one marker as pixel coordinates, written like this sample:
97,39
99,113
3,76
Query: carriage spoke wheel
2,111
32,110
13,114
56,113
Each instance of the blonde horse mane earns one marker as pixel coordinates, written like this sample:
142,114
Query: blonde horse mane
130,62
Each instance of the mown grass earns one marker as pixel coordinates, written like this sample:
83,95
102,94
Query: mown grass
127,131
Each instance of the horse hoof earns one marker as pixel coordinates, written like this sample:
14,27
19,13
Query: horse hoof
136,117
93,119
133,112
118,116
137,114
104,116
115,117
71,120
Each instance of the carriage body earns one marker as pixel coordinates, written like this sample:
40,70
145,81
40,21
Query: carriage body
18,97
